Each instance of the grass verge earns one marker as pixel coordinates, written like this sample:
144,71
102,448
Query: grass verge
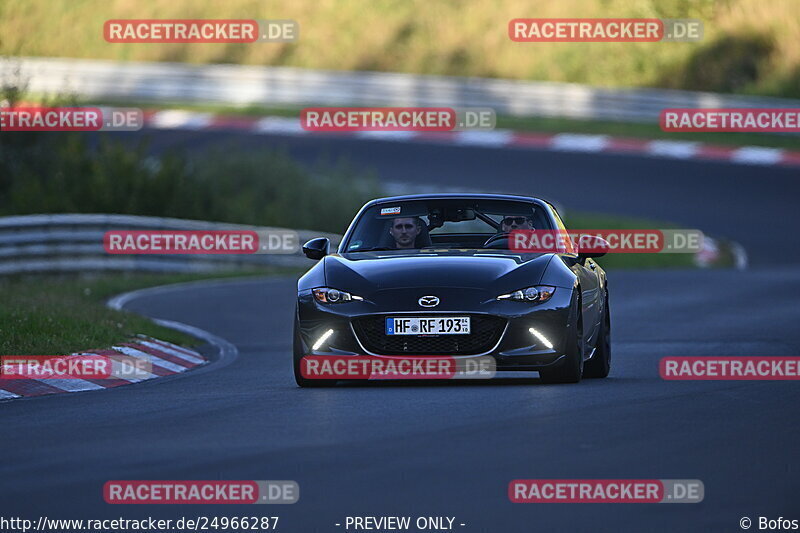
748,46
46,315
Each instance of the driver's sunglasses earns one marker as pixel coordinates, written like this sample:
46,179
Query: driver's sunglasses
514,220
404,226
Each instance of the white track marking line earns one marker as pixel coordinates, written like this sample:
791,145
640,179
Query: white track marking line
483,138
179,119
71,385
286,125
152,358
676,149
141,375
576,142
186,351
387,135
756,155
188,358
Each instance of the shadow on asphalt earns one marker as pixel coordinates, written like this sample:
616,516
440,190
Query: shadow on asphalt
502,381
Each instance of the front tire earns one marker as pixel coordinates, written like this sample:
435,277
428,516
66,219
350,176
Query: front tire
571,369
599,366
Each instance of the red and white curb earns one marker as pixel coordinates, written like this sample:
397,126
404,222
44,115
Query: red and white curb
163,358
177,119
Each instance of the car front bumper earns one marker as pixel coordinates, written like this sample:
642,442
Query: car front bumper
516,348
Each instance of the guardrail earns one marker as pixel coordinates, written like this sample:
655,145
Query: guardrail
74,242
276,86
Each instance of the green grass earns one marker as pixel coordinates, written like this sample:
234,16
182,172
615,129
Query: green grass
46,315
749,46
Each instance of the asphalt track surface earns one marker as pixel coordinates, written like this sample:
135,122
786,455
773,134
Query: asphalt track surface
450,449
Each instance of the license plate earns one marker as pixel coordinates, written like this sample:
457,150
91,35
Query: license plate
454,325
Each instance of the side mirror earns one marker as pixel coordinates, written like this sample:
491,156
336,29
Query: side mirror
317,248
592,246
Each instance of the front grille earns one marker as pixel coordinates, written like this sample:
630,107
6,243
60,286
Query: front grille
486,331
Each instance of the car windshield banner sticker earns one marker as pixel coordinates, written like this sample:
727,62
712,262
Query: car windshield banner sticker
390,211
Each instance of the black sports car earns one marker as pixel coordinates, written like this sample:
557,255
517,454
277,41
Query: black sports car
407,259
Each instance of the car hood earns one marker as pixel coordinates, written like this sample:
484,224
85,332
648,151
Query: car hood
368,271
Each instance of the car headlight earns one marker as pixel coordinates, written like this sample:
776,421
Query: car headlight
537,294
326,295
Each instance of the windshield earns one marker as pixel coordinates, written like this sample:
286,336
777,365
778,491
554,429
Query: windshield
437,224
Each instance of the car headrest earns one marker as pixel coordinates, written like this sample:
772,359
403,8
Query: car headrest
424,237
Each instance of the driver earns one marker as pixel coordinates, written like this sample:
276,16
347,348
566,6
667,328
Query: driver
507,225
510,223
405,231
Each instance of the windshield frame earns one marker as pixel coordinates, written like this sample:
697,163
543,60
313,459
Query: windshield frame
346,239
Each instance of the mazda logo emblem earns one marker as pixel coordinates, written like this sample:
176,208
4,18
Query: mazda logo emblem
428,301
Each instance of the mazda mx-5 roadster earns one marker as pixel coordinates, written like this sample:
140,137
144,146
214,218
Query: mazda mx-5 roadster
437,275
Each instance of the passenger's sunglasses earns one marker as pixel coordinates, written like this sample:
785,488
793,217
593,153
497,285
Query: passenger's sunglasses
404,226
514,220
